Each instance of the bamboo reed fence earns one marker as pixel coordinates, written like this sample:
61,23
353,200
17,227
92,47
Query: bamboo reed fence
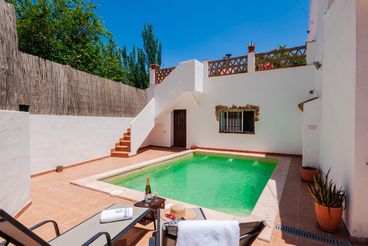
51,88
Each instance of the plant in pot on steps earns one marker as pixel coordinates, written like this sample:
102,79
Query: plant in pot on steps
329,202
308,173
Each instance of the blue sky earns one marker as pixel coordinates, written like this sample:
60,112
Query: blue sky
205,29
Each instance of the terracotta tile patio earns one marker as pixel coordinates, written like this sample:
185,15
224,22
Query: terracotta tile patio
54,198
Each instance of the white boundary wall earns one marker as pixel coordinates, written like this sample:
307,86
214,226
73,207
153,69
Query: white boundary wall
311,133
276,92
343,51
66,140
15,173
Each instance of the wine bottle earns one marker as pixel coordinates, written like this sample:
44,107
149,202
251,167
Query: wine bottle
148,193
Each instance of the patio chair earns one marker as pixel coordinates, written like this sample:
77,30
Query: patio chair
248,231
88,232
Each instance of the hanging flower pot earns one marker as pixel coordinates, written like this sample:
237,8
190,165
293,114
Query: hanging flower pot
307,173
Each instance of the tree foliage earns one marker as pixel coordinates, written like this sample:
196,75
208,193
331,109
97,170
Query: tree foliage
151,45
138,60
69,32
135,62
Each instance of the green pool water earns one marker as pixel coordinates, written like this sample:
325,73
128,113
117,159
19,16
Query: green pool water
227,184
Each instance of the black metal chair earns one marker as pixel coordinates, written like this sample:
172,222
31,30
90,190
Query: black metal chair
14,232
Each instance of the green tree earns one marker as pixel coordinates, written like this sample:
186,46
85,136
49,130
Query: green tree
137,62
68,32
152,45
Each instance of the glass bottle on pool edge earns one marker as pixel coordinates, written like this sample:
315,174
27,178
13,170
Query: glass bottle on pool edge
148,191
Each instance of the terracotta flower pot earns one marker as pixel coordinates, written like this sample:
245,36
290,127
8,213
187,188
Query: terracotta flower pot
307,173
154,66
59,169
328,219
251,48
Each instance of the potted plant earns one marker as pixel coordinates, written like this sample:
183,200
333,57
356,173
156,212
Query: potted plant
329,202
251,46
155,65
308,173
59,169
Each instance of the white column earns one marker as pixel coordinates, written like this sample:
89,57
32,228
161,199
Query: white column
152,76
205,69
251,62
311,52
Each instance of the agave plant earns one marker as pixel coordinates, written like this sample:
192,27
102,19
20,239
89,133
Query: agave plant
252,44
326,193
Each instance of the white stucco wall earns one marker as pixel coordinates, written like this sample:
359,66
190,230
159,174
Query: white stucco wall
187,76
359,211
344,120
142,125
276,92
311,133
14,161
338,98
161,134
66,140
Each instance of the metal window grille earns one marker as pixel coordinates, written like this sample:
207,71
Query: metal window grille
236,121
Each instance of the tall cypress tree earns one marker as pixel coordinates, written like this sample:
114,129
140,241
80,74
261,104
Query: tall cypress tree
152,45
138,60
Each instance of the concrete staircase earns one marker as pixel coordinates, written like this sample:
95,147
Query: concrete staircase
186,77
122,149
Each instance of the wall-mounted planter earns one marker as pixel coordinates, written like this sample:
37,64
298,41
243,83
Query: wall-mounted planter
307,173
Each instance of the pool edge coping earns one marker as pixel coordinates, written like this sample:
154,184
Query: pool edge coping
266,208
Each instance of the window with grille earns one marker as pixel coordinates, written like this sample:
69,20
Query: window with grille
239,121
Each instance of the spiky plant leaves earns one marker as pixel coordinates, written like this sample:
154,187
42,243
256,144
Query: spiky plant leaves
325,192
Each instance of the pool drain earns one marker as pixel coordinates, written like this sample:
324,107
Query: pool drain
311,236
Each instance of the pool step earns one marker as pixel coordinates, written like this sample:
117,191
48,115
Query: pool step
122,149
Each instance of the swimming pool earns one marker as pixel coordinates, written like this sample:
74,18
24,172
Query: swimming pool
226,183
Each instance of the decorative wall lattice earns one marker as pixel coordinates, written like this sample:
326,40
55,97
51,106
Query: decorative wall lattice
161,74
228,66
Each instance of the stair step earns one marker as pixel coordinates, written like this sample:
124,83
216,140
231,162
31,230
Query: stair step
122,148
125,142
119,153
127,134
126,138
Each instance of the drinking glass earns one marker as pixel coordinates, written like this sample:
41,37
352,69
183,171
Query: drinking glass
154,190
